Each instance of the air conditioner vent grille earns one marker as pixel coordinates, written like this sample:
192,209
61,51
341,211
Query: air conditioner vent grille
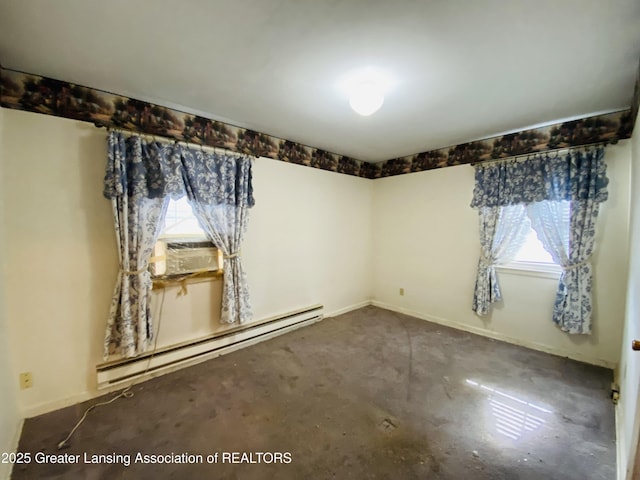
184,257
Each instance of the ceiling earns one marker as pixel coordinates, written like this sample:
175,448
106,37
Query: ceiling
459,70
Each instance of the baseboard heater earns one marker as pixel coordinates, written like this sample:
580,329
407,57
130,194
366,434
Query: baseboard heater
182,355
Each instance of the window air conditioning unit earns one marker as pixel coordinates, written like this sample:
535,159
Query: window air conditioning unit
181,257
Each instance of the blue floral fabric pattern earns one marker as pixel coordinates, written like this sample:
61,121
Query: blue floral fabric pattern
140,169
570,240
543,183
140,178
502,233
220,190
578,175
137,188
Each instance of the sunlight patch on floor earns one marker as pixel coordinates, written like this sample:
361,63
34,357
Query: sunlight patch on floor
513,416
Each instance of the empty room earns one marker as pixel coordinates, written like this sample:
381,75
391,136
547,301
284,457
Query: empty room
261,239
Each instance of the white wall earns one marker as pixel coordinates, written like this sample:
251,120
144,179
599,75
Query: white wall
10,418
628,409
426,242
308,242
309,239
60,255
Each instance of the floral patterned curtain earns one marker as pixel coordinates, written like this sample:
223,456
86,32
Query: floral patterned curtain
139,177
568,234
575,175
502,233
578,177
220,191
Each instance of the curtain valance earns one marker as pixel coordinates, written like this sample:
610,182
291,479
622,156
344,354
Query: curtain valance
575,175
225,181
141,169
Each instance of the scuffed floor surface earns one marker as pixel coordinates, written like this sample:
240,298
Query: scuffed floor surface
369,394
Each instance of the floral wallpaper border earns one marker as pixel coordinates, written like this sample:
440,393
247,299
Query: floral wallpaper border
23,91
607,128
39,94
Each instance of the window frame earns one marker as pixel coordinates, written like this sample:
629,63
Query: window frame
199,240
532,268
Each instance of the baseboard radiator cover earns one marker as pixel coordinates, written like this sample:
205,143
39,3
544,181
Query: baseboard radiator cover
127,371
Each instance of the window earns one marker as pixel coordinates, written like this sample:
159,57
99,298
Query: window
180,221
532,256
183,248
533,251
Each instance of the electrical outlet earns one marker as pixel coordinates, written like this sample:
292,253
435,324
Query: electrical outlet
402,292
26,380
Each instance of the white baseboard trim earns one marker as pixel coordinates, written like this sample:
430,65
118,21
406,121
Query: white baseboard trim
496,335
348,309
50,406
620,468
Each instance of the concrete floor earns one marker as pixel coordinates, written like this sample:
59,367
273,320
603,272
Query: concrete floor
369,394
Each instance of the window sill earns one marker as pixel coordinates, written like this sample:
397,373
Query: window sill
540,270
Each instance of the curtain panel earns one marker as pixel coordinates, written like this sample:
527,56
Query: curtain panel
542,183
140,178
570,239
221,193
502,233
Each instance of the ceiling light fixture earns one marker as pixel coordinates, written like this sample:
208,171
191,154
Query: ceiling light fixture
365,88
366,98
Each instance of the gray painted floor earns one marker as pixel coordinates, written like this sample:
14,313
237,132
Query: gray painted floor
369,394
